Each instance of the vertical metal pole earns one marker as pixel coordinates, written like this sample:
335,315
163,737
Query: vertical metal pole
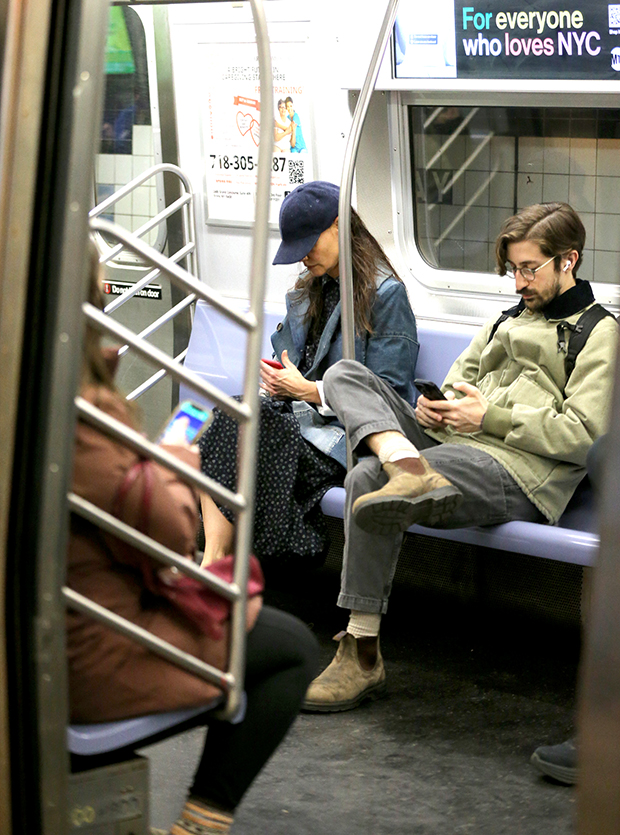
598,810
346,188
248,435
24,39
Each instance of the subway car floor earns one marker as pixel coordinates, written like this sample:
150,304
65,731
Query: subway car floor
472,690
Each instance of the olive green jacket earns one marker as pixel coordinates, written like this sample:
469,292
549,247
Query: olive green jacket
538,425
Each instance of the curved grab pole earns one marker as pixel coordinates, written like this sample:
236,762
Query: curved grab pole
248,433
346,188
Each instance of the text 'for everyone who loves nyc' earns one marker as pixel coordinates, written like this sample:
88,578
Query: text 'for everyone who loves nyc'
566,26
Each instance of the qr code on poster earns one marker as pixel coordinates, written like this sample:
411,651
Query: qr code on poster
613,12
295,172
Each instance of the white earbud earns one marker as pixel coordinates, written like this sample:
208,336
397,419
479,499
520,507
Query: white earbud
567,267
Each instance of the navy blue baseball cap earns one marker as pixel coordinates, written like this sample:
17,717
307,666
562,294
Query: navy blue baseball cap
305,214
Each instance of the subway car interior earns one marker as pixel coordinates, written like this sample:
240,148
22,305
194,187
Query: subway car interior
167,136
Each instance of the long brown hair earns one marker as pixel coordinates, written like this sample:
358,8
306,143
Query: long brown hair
367,258
95,370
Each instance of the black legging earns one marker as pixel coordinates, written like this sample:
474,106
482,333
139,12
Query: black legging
282,660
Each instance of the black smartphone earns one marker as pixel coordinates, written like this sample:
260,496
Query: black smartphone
186,423
429,389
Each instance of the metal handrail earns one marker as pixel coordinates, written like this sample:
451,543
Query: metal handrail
157,357
182,278
346,188
185,203
136,441
153,379
245,412
183,659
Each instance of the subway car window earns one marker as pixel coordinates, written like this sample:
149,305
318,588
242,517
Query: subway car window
474,166
126,147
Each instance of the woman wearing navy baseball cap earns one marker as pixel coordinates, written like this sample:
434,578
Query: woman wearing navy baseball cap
302,447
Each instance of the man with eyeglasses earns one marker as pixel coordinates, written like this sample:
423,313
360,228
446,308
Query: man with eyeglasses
509,441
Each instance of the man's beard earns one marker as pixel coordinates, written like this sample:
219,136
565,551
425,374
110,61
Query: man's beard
539,302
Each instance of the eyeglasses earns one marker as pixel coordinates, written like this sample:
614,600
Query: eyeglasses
526,273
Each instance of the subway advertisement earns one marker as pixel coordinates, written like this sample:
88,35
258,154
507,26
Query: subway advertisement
572,39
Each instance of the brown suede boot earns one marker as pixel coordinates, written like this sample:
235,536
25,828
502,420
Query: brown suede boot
345,684
406,499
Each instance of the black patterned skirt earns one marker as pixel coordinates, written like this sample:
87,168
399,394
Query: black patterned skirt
291,479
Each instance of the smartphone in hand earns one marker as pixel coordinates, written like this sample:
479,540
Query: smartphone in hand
273,363
429,389
186,424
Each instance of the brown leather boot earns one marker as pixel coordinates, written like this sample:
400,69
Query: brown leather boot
407,498
345,684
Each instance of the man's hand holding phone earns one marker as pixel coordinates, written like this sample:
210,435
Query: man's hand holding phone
430,395
464,415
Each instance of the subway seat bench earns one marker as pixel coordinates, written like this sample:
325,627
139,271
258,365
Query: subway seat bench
216,352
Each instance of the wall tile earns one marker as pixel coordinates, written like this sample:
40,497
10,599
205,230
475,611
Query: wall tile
607,266
556,155
123,206
586,268
475,180
476,256
608,195
476,226
451,255
555,187
607,233
529,189
502,190
582,193
105,168
608,158
447,215
140,165
142,140
454,156
123,168
141,202
587,218
530,154
482,162
503,153
582,156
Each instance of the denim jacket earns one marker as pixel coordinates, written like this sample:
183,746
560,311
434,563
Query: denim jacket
391,351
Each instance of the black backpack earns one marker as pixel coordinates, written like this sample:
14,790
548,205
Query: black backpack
580,332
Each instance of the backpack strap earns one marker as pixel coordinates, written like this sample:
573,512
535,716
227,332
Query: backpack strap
580,333
511,313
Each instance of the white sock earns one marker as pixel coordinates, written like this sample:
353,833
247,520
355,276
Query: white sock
393,449
364,624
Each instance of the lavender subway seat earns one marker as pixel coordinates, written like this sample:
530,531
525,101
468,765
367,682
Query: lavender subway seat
217,353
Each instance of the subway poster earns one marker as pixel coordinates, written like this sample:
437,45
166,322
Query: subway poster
543,39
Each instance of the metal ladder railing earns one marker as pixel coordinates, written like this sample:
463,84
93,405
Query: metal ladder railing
185,205
245,412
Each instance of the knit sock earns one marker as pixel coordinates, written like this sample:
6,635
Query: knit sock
197,818
363,624
396,448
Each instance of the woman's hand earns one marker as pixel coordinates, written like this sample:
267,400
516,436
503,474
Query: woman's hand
466,414
288,382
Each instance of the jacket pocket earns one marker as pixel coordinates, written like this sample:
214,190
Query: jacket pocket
525,391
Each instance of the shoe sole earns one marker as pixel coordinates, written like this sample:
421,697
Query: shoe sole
394,514
377,691
563,774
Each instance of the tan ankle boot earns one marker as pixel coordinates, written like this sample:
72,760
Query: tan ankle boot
345,684
407,499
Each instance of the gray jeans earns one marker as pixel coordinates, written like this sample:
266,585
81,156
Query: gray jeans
366,404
